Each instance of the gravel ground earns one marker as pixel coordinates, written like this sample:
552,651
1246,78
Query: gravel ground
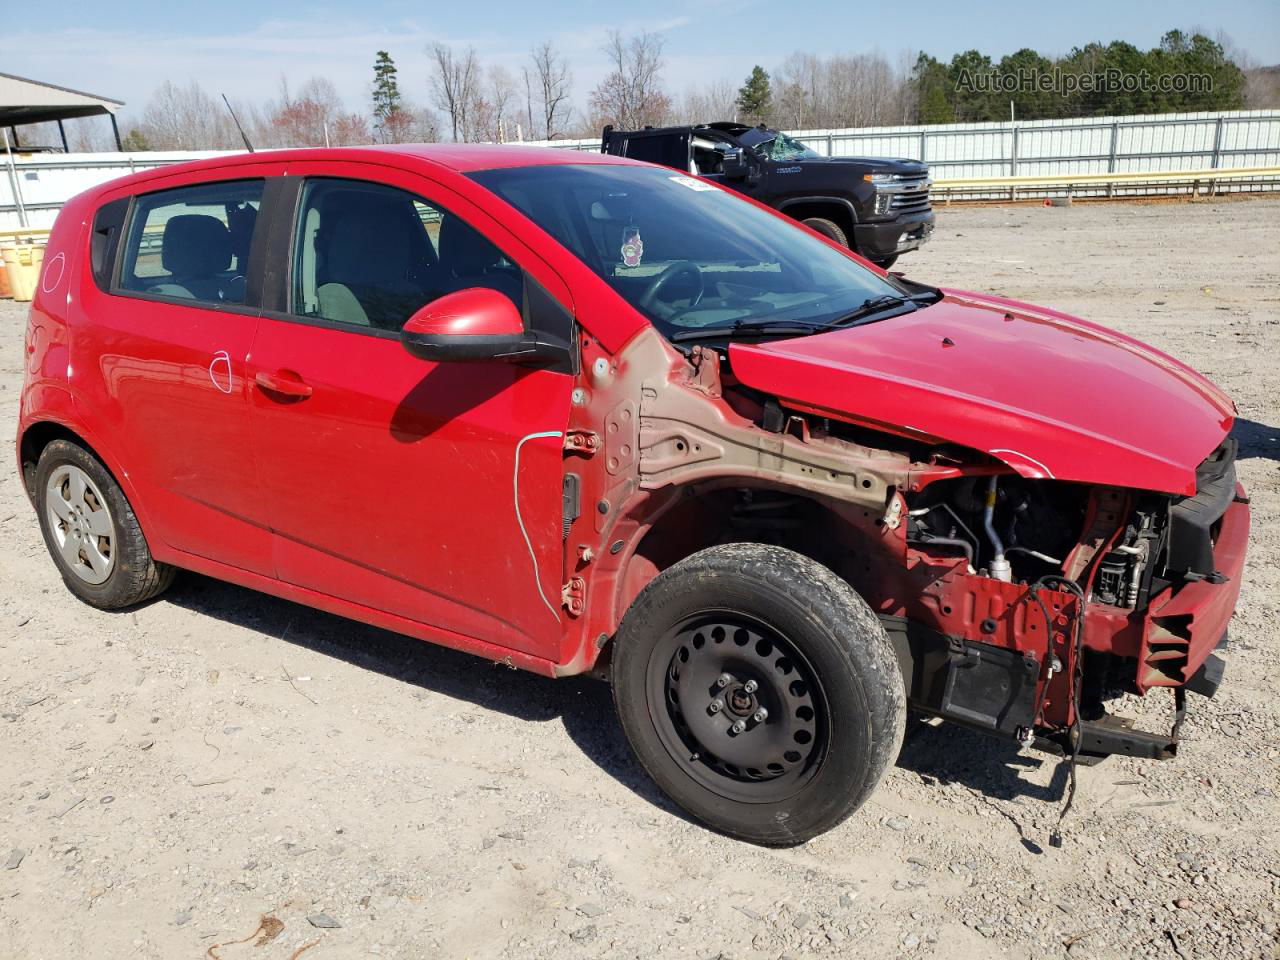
221,774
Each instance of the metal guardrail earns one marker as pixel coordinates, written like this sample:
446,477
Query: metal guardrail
1109,185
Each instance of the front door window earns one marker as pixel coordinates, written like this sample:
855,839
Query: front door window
371,256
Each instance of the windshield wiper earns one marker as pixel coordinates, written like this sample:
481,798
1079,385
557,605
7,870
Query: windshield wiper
873,306
871,309
750,328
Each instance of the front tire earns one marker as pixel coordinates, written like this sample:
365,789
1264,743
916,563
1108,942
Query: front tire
759,691
884,263
828,228
91,531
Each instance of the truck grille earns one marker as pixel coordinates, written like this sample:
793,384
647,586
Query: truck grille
913,196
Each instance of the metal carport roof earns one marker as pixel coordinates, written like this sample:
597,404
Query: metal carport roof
24,101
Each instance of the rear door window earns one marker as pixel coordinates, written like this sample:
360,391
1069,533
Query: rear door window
192,243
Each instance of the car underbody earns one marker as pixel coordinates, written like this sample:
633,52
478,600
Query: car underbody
1018,605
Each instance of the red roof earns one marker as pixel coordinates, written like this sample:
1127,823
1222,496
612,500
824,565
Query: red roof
461,158
469,157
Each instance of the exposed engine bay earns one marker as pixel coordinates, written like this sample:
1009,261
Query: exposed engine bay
1006,527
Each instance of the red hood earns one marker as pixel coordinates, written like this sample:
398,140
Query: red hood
1048,394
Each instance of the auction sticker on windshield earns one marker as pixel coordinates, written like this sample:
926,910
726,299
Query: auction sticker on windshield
692,183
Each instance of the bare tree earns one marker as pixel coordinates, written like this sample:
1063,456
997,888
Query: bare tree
632,95
453,84
554,84
1261,84
89,136
840,91
502,99
187,118
715,101
314,116
528,105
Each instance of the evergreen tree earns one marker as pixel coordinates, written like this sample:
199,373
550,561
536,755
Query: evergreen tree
932,83
755,97
135,141
1030,102
970,77
386,94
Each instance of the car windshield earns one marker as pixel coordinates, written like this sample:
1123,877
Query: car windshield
687,254
785,149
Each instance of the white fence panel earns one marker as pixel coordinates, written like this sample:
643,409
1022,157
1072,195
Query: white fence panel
1169,142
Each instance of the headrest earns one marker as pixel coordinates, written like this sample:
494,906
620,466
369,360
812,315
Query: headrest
370,239
464,249
195,245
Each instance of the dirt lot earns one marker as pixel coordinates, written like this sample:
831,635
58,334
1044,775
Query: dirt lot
171,775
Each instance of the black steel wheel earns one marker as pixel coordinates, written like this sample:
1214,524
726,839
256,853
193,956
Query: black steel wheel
759,691
741,699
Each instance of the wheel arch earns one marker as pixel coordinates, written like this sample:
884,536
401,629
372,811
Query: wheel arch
684,520
835,209
40,433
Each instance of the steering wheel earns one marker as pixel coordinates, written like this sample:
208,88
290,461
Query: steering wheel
659,283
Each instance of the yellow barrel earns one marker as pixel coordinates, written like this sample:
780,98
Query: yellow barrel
22,265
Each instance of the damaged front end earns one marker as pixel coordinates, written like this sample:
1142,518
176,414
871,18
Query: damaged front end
1045,553
1020,603
1026,604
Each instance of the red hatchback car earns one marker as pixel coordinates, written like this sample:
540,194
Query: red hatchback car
576,413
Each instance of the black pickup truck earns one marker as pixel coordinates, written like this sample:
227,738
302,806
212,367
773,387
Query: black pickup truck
876,207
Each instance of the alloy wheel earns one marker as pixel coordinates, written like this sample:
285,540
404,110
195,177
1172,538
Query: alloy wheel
81,524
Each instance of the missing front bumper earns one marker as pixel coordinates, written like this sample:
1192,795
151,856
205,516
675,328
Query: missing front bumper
993,689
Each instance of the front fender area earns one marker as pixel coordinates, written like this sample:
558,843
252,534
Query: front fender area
669,434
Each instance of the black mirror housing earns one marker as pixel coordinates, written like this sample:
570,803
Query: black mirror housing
735,164
521,349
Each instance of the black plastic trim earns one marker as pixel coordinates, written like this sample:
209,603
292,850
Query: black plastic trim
815,199
1191,519
979,685
1208,678
108,224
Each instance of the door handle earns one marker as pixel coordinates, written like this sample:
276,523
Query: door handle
286,383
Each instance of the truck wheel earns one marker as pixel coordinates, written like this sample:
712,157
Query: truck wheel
828,228
884,263
91,531
759,692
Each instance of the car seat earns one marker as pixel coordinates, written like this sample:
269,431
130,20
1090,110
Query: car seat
373,265
195,249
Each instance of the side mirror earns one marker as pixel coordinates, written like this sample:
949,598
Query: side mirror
470,326
735,164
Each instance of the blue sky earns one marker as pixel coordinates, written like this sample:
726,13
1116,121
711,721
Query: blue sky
242,47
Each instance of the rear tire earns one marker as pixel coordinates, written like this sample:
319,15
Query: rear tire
828,228
736,628
91,531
